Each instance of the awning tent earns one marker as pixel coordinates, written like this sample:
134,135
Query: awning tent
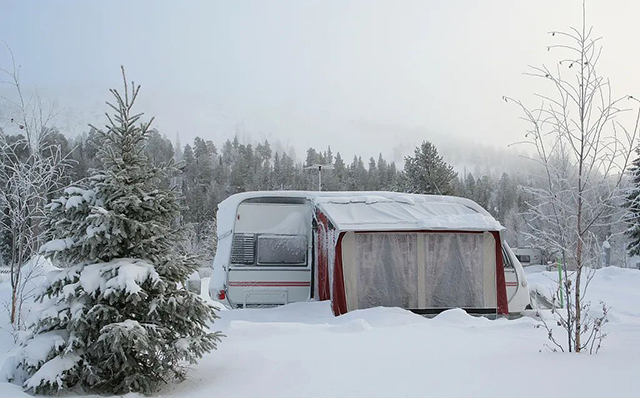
419,252
411,251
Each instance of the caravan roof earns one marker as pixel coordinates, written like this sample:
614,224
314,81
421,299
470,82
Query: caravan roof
377,211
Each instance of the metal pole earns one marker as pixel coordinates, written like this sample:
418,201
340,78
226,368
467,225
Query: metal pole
560,284
319,178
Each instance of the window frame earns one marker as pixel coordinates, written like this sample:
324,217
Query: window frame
507,261
303,238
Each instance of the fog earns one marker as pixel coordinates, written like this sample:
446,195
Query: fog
362,76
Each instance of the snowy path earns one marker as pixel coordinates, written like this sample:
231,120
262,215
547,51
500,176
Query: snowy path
301,350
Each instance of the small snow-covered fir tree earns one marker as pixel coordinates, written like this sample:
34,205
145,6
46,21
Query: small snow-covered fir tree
633,206
117,319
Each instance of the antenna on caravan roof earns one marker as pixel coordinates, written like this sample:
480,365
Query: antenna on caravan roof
319,167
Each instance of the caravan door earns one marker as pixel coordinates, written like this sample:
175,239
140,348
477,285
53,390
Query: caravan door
271,255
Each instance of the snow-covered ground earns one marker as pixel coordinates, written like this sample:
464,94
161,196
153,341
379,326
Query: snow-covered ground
302,350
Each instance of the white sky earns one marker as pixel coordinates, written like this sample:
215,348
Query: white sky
362,76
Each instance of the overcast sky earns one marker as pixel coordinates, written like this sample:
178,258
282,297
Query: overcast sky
361,76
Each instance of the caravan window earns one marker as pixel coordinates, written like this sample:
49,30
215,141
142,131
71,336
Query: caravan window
506,259
282,249
523,258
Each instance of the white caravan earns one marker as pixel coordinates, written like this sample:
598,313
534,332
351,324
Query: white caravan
272,249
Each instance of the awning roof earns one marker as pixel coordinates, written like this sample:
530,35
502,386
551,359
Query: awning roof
379,211
386,214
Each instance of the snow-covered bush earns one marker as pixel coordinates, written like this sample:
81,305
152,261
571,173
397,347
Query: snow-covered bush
202,240
117,319
32,168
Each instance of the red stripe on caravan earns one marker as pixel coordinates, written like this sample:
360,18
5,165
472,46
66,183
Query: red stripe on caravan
269,283
259,282
260,286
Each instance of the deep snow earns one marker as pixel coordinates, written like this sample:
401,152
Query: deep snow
302,350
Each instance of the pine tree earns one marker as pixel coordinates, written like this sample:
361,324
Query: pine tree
484,189
633,206
392,176
276,179
188,158
469,187
288,172
506,196
178,149
427,173
328,156
340,171
355,182
264,172
117,319
373,177
312,157
383,174
158,148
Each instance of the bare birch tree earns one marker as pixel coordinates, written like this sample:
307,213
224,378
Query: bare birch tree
31,169
583,149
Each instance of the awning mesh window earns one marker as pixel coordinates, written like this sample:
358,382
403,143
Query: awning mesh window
453,270
390,266
387,270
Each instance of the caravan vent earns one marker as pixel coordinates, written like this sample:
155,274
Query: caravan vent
243,249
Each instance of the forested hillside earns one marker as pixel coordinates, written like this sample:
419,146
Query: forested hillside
210,172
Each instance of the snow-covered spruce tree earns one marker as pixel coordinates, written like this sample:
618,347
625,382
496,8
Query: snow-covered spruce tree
425,172
117,319
583,149
633,206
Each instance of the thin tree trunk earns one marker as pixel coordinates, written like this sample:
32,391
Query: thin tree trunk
14,299
577,318
568,296
581,161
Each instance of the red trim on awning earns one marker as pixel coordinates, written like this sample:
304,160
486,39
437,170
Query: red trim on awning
336,293
418,231
338,299
322,268
501,285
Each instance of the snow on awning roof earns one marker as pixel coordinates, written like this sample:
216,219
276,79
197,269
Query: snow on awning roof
378,211
405,212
